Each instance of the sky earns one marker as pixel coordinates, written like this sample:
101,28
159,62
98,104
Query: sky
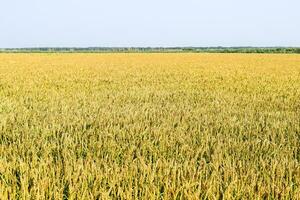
149,23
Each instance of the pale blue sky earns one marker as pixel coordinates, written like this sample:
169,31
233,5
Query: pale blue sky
83,23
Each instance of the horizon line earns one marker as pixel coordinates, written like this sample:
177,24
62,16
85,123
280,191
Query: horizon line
144,47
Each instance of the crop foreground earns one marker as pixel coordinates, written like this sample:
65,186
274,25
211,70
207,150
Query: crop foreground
149,126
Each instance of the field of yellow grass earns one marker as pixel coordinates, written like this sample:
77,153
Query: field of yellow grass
149,126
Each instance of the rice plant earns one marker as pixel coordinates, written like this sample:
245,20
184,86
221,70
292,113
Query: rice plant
149,126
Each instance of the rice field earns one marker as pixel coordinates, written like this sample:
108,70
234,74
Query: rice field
149,126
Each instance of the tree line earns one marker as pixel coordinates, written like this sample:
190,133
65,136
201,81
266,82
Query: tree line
155,50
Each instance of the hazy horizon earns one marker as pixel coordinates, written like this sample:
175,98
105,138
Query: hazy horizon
115,23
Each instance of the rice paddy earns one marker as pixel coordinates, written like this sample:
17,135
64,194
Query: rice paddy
149,126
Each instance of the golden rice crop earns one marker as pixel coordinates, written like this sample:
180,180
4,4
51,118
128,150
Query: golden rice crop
149,126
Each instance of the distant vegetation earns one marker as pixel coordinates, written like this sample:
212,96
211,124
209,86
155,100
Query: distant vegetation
157,49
